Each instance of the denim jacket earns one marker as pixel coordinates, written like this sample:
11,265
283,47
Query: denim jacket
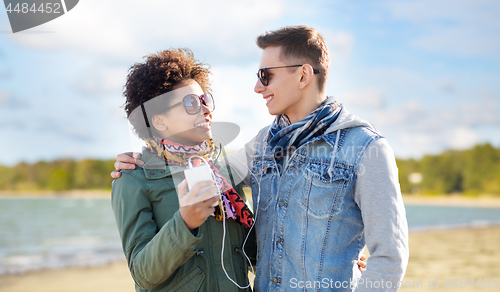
335,194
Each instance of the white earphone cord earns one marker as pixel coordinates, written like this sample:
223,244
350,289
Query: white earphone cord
249,231
224,221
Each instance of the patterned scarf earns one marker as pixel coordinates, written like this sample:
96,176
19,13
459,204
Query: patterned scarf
178,154
286,137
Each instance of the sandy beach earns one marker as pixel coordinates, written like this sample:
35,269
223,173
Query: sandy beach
438,256
434,256
110,278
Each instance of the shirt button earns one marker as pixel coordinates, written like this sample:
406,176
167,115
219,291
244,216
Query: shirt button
279,240
275,280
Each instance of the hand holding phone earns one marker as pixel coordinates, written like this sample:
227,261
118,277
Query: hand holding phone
195,175
194,214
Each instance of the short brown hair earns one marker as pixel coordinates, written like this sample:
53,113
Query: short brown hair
158,74
302,43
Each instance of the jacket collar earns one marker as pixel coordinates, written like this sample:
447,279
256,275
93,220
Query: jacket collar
155,167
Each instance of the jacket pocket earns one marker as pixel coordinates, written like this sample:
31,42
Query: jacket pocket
321,196
190,283
263,179
240,266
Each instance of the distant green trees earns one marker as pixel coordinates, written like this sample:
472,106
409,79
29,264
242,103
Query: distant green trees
471,172
57,175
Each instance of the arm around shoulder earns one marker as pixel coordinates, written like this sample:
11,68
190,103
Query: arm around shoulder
241,161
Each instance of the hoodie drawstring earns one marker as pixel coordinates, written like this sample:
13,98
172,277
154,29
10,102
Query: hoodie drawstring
335,149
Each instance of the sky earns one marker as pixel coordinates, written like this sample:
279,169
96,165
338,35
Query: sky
425,73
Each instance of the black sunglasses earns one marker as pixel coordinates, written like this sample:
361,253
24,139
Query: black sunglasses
264,76
192,103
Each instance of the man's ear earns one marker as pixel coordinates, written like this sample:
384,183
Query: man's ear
307,73
159,122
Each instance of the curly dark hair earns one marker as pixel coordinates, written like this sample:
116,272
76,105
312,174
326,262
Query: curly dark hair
158,74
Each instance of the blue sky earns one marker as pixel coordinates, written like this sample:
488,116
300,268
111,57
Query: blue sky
425,73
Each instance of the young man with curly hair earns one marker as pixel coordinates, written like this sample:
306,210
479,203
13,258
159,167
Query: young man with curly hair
324,182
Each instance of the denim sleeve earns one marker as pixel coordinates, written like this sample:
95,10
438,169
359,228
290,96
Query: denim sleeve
378,195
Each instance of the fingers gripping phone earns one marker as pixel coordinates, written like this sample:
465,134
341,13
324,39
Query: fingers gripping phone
195,174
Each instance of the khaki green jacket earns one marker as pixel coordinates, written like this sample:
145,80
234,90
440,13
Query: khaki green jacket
162,253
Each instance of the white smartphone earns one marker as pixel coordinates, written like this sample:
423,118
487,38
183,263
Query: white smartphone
196,174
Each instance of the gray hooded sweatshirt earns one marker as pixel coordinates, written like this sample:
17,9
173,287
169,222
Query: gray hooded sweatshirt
378,196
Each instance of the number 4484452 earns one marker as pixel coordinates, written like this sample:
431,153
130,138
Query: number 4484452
43,8
463,283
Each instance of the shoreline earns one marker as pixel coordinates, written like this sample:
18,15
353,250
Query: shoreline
452,201
414,231
434,255
415,200
445,228
80,194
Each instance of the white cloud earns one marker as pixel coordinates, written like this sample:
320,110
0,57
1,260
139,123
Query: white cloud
100,39
417,143
459,41
109,35
461,138
409,113
125,29
414,115
5,98
420,129
392,82
101,79
459,27
448,9
372,98
4,74
448,86
480,113
340,44
237,102
10,101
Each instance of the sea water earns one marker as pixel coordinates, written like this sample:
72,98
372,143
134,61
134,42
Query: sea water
54,233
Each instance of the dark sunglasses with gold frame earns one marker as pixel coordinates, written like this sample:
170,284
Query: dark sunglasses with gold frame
263,75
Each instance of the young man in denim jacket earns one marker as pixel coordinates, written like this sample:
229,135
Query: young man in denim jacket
324,182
